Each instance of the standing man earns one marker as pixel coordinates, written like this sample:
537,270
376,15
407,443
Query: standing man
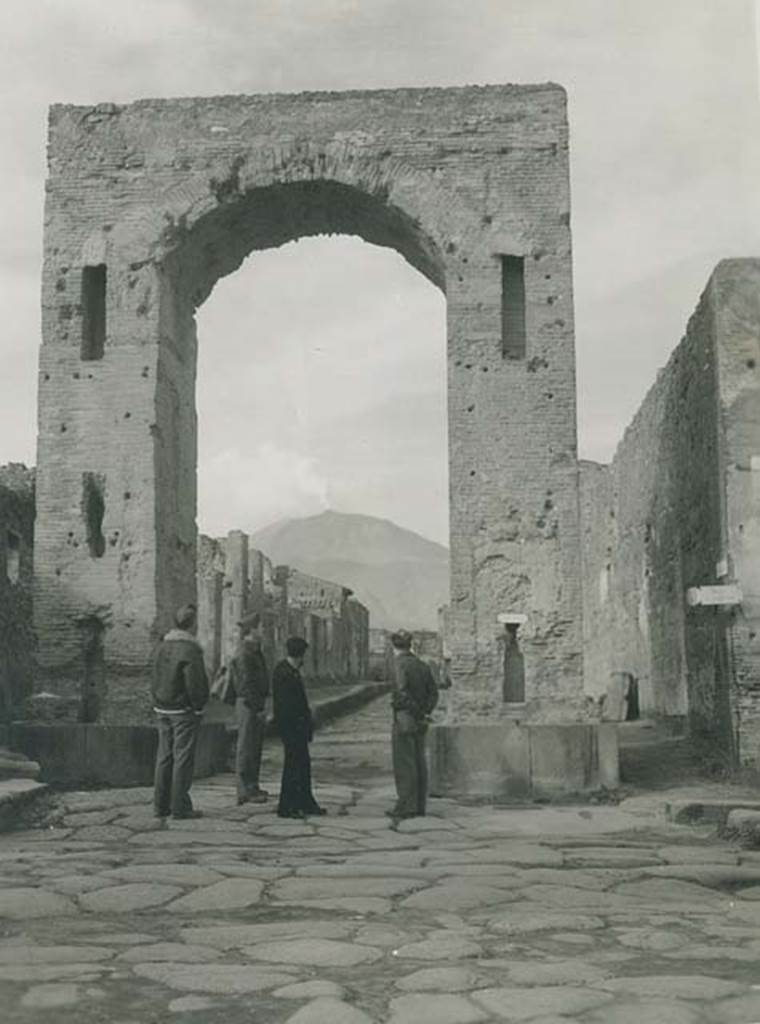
180,693
295,726
414,697
250,679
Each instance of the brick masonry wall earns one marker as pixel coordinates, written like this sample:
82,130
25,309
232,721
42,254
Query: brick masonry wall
677,508
170,195
17,642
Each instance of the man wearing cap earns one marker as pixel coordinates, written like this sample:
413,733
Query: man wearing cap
295,726
250,679
180,693
414,696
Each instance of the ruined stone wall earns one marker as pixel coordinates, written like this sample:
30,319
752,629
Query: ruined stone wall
17,643
149,204
235,580
676,509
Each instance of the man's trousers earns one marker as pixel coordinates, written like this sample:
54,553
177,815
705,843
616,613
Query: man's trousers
409,766
251,726
175,761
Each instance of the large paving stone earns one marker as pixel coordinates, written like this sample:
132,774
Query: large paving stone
349,904
737,1010
711,952
221,978
441,945
50,972
677,986
710,875
107,799
383,935
527,1003
659,890
296,889
190,1004
523,920
176,952
707,854
649,1011
103,834
74,885
527,854
84,818
22,903
310,990
229,894
610,856
235,936
566,897
26,953
313,952
120,899
439,979
50,997
433,1009
556,972
652,939
125,938
165,874
462,894
327,1010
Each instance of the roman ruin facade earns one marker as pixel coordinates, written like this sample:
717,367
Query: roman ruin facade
149,204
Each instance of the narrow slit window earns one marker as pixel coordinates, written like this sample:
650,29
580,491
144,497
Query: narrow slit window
514,668
93,512
513,307
93,311
13,556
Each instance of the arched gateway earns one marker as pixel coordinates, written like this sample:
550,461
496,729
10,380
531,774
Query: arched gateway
149,204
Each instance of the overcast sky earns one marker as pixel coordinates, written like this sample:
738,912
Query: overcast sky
321,377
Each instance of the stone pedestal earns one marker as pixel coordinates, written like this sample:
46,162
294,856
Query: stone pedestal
508,759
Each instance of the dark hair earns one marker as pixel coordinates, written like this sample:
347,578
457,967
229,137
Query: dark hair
402,640
185,616
295,646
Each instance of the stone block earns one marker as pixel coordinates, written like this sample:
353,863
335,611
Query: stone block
514,760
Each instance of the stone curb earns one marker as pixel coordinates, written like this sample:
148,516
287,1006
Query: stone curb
16,794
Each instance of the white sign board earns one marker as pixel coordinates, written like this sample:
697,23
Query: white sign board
511,619
722,594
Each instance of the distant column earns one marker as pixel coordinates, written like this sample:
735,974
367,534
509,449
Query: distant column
235,594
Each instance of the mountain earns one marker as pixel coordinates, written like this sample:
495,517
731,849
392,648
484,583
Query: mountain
401,577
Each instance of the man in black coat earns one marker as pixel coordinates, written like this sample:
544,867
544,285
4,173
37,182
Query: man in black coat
250,679
294,724
414,696
180,693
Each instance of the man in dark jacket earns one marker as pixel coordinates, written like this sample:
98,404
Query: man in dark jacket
180,693
250,679
414,697
294,724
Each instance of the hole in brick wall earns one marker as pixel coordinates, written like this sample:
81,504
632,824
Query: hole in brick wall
12,556
93,511
93,311
513,343
513,685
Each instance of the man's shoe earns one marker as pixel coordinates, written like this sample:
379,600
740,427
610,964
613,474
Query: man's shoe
259,797
317,811
187,815
161,815
260,792
242,800
291,814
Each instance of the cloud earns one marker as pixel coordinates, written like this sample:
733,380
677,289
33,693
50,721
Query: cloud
241,490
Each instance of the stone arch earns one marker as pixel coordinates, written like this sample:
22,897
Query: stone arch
150,203
386,201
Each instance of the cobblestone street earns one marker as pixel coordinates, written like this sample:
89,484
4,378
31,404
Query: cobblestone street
546,914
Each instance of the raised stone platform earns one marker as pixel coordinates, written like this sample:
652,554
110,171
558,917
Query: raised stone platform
513,760
110,755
